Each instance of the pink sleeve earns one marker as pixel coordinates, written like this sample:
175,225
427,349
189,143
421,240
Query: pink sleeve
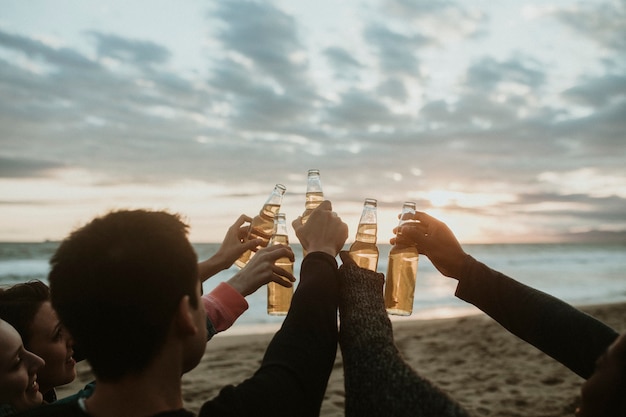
223,306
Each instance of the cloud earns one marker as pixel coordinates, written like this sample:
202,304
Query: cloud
487,74
396,51
262,77
586,211
434,17
266,36
603,23
360,110
410,101
341,58
344,64
598,91
26,168
63,57
140,53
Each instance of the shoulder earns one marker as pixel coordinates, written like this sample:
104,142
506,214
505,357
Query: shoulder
176,413
69,409
6,410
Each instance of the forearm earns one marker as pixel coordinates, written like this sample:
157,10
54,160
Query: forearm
211,266
294,373
377,380
565,333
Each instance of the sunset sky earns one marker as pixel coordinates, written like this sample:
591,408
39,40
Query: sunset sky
505,119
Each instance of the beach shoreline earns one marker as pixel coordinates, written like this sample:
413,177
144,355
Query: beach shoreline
472,358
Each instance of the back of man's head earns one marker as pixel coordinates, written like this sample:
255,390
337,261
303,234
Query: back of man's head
116,284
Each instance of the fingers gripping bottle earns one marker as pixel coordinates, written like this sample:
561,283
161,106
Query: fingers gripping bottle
279,297
314,195
262,225
364,250
401,273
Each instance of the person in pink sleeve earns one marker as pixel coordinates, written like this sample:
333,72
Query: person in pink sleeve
227,302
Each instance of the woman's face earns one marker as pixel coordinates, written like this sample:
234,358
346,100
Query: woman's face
18,371
601,394
53,344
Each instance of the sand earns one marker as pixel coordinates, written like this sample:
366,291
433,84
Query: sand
485,368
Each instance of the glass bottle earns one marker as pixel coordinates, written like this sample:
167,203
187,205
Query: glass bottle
262,225
314,196
279,297
364,250
314,193
401,272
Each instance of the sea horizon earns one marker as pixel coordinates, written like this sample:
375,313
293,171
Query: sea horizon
580,273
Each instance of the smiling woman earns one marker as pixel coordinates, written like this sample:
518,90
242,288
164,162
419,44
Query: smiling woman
28,309
18,373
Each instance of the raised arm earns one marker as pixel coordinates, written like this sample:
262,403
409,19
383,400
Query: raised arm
378,381
565,333
294,372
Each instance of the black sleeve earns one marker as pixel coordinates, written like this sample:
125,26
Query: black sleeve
294,373
556,328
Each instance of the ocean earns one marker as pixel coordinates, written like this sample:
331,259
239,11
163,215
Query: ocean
580,274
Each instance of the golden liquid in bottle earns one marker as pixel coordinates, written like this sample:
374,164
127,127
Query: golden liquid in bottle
261,227
279,297
313,200
400,283
364,250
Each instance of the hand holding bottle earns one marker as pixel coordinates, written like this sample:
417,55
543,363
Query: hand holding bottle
261,270
323,232
402,270
232,247
434,239
262,225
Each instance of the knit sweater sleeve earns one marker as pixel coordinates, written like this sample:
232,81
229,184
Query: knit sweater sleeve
378,382
565,333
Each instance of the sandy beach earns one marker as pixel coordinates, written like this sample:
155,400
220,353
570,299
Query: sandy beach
485,368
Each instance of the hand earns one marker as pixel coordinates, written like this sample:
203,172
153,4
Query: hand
323,232
232,247
261,269
435,240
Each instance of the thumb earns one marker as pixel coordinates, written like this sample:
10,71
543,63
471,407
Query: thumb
346,258
252,244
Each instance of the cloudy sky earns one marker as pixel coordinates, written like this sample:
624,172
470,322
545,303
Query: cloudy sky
506,119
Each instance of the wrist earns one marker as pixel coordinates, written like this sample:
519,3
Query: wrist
330,250
238,284
220,261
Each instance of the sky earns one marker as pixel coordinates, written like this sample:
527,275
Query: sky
506,120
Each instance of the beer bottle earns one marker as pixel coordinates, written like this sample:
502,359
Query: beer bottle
401,272
364,250
314,194
262,224
279,297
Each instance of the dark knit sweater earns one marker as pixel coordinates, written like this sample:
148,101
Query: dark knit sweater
378,382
